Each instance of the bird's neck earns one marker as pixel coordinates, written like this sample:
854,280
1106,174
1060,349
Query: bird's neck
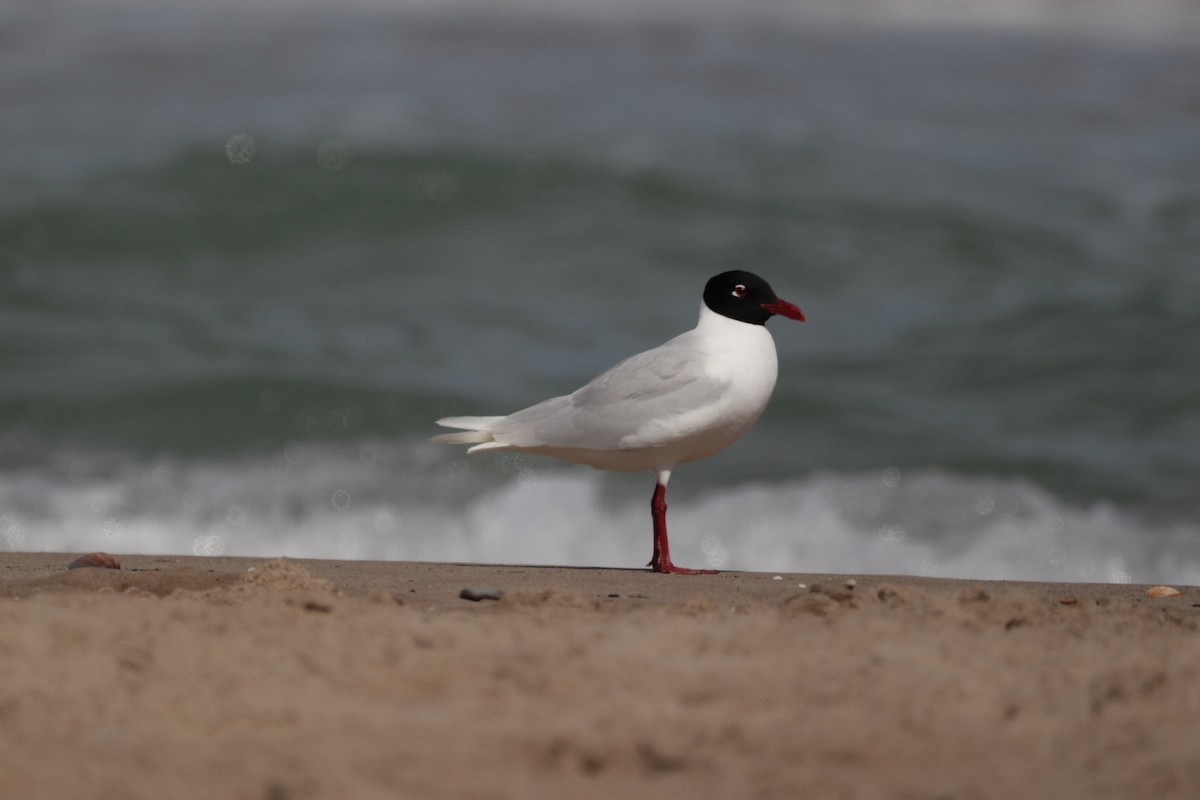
717,325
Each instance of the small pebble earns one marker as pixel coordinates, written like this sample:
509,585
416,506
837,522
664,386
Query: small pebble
801,585
1069,600
851,583
777,578
477,593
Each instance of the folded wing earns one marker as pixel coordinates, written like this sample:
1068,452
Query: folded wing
645,401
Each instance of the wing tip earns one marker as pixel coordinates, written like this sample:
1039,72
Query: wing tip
475,431
490,444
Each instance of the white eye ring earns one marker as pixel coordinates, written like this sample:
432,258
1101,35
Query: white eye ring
739,290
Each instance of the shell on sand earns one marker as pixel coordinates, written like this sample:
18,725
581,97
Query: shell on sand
1162,591
103,560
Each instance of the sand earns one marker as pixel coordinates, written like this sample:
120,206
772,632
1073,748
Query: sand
273,680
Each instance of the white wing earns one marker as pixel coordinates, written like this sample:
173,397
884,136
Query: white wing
636,404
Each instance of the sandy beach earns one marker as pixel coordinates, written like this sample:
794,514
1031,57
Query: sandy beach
248,678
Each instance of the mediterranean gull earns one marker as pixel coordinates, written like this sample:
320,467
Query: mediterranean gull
684,400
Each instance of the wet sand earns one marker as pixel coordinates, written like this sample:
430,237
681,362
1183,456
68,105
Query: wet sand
198,677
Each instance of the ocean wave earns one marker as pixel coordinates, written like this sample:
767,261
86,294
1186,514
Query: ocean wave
1158,17
408,503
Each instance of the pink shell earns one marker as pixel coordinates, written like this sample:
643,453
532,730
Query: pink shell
95,560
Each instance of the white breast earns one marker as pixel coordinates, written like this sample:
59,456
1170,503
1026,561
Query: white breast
740,359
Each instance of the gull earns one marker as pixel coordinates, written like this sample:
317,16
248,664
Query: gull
686,399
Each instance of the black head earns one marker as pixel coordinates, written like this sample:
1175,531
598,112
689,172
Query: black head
747,298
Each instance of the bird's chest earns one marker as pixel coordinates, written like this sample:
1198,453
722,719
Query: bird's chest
741,375
748,372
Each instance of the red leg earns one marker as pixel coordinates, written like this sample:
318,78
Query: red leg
660,561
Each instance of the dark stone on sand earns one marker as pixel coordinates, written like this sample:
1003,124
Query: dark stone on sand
477,593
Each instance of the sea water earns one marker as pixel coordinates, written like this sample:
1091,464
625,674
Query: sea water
250,251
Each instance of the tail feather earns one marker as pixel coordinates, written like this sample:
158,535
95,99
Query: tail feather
476,430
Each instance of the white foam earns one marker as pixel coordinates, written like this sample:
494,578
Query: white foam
414,503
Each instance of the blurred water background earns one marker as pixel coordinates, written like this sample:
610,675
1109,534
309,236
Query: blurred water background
250,251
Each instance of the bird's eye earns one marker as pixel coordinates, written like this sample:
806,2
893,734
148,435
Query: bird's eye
739,291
